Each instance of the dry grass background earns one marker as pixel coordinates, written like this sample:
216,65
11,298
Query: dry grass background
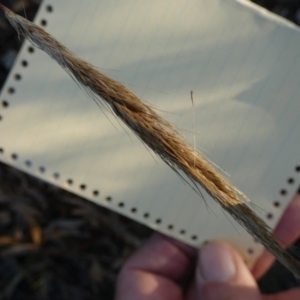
55,245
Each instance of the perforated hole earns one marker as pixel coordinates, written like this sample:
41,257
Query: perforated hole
28,163
4,104
290,180
1,150
170,227
30,49
56,175
276,203
108,199
69,181
14,156
194,237
11,90
283,192
121,204
269,216
133,210
250,251
182,231
82,187
18,77
42,169
44,22
297,168
95,193
24,63
49,8
1,118
158,221
146,215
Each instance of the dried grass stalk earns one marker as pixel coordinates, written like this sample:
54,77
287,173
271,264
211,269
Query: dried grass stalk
156,133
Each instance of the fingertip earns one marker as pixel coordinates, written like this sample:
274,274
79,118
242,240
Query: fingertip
158,256
286,232
222,274
155,269
216,263
189,251
158,250
262,265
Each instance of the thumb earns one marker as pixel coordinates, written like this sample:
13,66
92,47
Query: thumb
222,274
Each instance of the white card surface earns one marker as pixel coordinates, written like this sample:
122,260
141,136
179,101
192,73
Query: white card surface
243,66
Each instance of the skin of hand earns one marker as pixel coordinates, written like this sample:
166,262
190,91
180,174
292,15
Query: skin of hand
165,269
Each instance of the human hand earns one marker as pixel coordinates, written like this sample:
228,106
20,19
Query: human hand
157,269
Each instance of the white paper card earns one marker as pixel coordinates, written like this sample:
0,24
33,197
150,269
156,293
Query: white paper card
243,66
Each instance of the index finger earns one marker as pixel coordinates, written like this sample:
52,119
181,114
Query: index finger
155,270
287,231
